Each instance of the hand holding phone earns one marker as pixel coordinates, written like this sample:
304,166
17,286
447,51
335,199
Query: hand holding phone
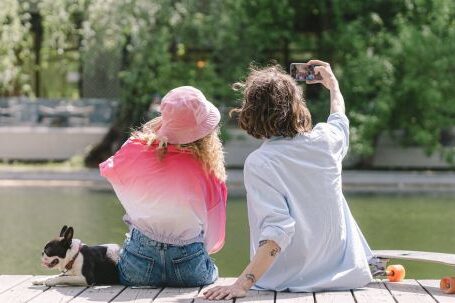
304,72
328,79
315,71
325,71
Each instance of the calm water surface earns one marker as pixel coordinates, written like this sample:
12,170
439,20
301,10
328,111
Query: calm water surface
29,217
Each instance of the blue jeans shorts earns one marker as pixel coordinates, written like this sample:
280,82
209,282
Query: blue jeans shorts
147,262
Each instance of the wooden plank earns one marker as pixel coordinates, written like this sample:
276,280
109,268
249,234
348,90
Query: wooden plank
22,292
294,297
373,292
18,288
262,296
99,294
138,295
59,294
180,295
220,282
8,281
409,291
432,286
334,297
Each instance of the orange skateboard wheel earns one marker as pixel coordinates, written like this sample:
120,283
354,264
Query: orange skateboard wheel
447,285
395,273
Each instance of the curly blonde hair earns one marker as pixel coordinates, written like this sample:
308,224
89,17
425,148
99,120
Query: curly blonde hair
208,150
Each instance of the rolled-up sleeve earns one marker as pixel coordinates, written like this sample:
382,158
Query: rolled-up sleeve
268,210
339,127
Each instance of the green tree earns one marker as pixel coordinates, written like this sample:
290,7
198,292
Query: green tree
393,58
14,48
394,63
423,89
159,55
151,64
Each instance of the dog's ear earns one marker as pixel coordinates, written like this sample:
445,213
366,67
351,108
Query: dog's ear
68,236
62,232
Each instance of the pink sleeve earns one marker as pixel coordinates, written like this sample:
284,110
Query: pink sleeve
216,219
110,167
107,169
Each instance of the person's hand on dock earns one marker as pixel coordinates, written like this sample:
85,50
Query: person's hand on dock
236,290
261,262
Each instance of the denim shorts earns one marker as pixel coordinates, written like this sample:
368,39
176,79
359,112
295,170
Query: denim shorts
147,262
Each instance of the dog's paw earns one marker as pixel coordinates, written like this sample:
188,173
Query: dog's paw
38,281
52,281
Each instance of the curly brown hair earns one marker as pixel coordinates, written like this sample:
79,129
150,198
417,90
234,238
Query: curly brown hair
272,104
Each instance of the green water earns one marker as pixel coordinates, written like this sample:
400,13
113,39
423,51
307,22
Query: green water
29,217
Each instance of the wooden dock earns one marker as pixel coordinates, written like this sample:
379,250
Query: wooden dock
18,288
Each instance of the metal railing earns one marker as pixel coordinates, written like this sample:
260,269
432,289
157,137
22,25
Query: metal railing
19,111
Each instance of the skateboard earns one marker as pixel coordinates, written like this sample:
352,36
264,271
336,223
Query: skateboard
396,272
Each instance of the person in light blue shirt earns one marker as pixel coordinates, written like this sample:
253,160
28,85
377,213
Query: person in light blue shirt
303,235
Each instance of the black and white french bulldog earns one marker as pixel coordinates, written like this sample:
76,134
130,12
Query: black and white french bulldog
78,263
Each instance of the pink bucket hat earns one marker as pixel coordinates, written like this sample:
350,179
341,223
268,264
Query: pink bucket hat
187,116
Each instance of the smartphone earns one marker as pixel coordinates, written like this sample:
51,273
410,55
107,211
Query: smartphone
304,72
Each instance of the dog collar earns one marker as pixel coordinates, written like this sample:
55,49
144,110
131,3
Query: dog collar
70,264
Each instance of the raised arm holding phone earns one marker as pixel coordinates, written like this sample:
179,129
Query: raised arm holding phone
303,236
331,83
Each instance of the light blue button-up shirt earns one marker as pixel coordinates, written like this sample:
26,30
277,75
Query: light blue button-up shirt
295,199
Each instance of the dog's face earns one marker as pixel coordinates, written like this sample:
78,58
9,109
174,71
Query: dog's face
55,251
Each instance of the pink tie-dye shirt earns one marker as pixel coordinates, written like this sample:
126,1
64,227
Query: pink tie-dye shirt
173,200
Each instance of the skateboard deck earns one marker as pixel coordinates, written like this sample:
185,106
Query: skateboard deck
396,272
424,256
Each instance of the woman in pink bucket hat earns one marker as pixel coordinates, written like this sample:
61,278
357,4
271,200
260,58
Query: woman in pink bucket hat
170,179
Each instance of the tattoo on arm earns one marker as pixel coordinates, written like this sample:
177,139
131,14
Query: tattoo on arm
251,277
275,251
